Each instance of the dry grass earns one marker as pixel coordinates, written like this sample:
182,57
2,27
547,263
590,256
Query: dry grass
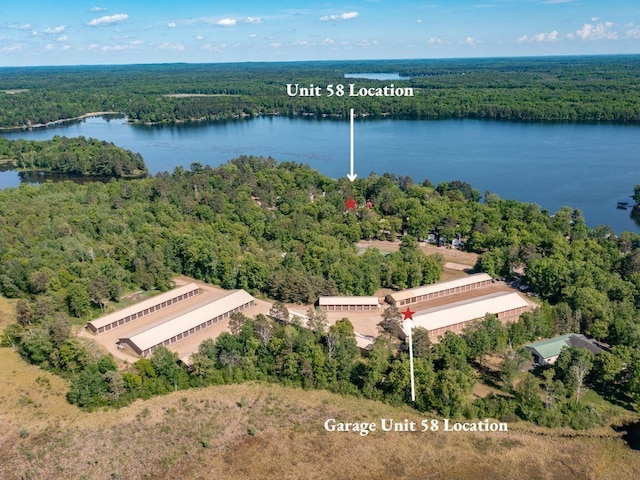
268,431
7,312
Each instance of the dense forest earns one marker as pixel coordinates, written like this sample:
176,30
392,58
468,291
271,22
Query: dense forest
73,156
281,230
550,88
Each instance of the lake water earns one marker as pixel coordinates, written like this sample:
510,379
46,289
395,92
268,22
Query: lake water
376,76
585,166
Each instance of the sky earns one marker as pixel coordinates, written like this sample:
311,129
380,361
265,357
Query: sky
84,32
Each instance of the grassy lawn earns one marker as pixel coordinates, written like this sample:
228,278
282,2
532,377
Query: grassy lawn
610,409
7,312
124,301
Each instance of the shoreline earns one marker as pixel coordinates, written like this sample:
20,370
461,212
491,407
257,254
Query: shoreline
57,122
244,116
81,176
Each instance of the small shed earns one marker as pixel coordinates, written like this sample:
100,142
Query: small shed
546,352
349,304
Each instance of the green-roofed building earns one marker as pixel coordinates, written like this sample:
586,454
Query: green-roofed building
545,352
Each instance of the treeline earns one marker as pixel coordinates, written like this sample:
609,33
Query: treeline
73,156
68,251
553,89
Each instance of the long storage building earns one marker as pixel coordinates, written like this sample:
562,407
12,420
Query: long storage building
438,290
177,328
352,304
141,309
456,316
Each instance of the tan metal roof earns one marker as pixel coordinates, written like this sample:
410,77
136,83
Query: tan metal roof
137,307
364,341
438,287
348,301
177,325
467,310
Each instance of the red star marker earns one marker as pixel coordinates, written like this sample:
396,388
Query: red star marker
351,204
408,314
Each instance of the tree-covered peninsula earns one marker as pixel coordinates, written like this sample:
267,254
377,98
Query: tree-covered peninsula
72,156
281,230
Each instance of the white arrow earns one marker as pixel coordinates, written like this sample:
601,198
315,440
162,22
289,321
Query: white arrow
408,324
352,176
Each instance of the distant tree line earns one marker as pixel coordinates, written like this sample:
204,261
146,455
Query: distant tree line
526,89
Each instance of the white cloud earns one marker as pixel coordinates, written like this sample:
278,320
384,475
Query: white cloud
119,47
56,30
13,48
585,31
115,48
253,35
596,32
275,45
171,46
435,41
66,47
108,19
327,41
367,43
63,38
227,22
634,33
342,16
49,46
214,48
198,38
98,9
419,20
470,41
171,25
254,20
539,37
24,27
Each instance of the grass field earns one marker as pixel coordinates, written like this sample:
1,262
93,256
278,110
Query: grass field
258,431
268,431
7,312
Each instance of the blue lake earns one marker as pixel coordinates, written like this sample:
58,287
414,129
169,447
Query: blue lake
376,76
585,166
